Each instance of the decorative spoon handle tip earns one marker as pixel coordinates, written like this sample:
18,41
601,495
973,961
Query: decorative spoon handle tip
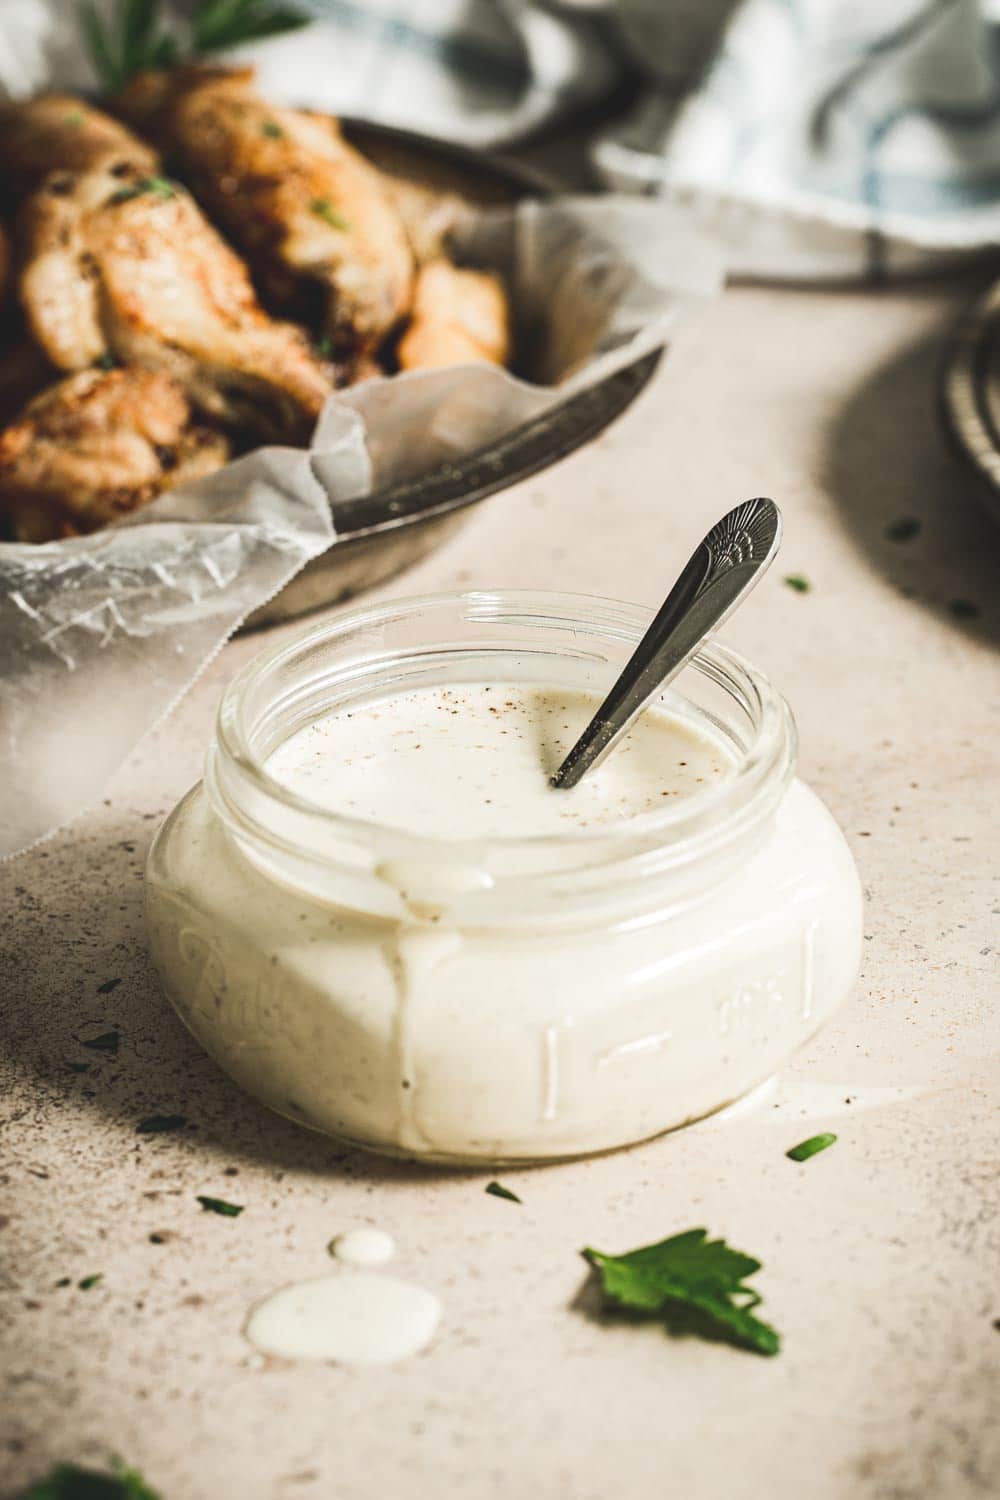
719,574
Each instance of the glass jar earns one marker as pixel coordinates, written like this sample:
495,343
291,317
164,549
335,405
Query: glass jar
502,999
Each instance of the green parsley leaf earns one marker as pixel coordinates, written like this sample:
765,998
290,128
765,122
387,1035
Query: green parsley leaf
220,1206
97,40
324,209
71,1482
137,21
134,37
798,583
499,1191
903,530
812,1147
219,24
89,1281
272,130
107,1042
160,1124
696,1285
157,185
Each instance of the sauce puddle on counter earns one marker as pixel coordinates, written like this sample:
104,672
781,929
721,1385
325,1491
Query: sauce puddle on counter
355,1315
473,761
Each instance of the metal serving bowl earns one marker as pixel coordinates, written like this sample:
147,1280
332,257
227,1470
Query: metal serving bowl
970,393
390,529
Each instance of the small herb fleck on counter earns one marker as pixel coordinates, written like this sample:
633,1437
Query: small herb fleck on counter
904,529
160,1124
798,582
107,1041
812,1147
693,1284
108,986
89,1281
220,1206
499,1191
71,1482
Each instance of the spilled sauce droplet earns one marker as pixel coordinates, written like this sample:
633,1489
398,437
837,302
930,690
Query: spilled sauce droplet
363,1247
350,1316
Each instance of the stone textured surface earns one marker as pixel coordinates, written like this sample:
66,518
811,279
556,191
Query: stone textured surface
879,1266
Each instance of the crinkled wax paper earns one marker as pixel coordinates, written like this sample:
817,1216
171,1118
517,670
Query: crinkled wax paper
100,635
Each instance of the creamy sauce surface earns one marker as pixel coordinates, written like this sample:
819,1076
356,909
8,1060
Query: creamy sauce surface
473,761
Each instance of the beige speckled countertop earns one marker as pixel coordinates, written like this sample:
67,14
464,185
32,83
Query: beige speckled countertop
880,1256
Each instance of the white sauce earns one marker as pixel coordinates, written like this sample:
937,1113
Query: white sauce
352,1317
364,1247
470,762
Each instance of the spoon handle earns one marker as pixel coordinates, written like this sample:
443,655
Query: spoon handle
723,568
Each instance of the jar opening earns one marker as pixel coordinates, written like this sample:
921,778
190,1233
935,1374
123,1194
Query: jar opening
373,652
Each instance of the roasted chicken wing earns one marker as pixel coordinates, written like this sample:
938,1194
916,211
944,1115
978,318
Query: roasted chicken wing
24,370
430,218
312,216
37,136
96,446
458,315
116,262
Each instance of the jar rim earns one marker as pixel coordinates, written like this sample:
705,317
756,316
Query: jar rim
764,766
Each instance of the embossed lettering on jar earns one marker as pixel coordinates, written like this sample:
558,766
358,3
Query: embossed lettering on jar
421,972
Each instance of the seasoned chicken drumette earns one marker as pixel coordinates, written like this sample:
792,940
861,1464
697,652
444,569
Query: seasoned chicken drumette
430,217
311,215
58,130
458,316
96,446
24,370
116,262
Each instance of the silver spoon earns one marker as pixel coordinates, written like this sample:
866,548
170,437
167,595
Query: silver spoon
722,570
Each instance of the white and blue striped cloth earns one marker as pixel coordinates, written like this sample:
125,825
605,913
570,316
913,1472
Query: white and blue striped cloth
816,137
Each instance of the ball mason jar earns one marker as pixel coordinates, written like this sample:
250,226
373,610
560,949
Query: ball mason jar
499,999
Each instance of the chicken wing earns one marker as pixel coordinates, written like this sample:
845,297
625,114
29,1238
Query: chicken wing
24,370
115,262
458,315
96,446
37,136
311,215
430,218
